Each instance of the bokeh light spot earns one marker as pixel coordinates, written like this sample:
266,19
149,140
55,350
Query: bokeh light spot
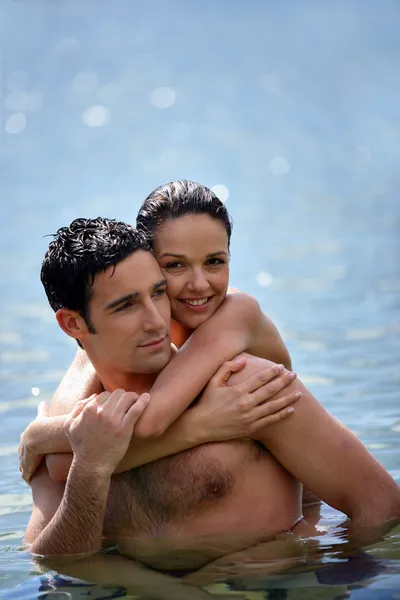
264,279
162,97
279,166
15,123
35,391
96,116
221,191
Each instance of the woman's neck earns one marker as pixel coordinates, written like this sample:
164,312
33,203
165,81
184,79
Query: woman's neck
179,333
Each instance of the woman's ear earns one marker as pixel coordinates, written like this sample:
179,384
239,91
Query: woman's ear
72,323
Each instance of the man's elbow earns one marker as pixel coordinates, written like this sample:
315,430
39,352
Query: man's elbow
382,508
58,466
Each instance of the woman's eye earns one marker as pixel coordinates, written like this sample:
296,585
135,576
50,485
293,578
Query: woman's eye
173,265
215,261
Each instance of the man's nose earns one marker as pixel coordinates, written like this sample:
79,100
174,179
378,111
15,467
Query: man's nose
153,320
198,282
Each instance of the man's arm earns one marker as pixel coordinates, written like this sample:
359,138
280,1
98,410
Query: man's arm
77,526
328,458
99,433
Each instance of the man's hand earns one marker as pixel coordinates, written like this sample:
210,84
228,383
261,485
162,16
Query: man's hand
29,460
100,429
228,412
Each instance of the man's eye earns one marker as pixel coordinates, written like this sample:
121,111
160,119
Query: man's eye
160,292
123,307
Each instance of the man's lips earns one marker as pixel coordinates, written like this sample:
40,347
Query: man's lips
155,342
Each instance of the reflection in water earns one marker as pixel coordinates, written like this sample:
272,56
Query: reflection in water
331,564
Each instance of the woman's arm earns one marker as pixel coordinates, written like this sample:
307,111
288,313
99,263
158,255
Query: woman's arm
222,413
237,325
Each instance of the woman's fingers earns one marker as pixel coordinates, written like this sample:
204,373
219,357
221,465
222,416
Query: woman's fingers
261,379
272,388
274,411
226,369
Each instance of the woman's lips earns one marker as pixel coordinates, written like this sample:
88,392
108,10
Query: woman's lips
196,304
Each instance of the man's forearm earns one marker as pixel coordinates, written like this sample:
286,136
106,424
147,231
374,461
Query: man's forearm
185,433
331,461
77,526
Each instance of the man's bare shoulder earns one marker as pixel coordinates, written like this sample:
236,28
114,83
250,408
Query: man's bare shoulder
254,364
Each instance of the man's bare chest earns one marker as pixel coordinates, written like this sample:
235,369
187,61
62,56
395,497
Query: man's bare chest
156,497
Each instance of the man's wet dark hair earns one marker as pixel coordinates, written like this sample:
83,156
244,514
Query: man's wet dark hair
80,251
179,199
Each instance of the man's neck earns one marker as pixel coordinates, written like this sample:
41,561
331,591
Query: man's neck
130,382
113,379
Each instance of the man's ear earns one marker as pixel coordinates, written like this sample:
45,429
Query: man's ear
72,323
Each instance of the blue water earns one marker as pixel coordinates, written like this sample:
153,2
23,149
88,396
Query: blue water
294,109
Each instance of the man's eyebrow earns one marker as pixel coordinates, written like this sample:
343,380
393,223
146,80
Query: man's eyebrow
159,284
115,303
134,296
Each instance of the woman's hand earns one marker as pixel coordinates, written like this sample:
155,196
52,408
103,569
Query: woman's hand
227,412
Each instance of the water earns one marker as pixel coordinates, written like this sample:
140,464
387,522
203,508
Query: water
294,109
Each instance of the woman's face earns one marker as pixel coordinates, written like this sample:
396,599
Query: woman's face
193,254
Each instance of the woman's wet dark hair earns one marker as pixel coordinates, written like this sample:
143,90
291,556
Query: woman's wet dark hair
179,199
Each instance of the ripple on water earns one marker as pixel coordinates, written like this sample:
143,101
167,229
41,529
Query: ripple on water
13,503
23,356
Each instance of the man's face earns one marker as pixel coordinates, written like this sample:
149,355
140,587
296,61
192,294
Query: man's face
130,312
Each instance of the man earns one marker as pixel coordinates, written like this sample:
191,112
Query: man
110,295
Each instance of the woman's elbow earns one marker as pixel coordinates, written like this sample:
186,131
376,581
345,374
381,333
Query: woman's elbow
150,428
58,466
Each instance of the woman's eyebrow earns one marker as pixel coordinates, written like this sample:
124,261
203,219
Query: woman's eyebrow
174,255
217,253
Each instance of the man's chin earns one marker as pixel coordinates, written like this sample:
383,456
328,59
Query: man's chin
156,363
